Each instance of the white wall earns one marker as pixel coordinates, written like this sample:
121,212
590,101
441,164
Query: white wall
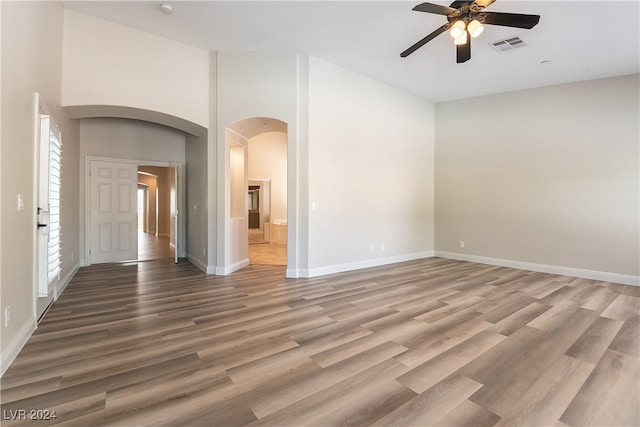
547,176
126,139
31,62
268,160
370,172
110,64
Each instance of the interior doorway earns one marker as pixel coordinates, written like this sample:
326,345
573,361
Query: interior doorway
256,156
259,207
137,221
157,233
267,198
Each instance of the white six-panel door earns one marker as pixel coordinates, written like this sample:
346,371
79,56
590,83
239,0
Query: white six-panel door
113,212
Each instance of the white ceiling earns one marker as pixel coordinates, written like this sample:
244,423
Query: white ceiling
582,40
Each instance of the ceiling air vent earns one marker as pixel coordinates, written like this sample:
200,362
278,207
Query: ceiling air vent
508,44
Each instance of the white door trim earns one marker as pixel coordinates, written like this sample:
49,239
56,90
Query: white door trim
39,107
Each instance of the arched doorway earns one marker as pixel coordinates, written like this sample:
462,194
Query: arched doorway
187,229
257,214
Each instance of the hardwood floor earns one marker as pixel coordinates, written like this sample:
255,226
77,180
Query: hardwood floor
152,247
268,254
429,342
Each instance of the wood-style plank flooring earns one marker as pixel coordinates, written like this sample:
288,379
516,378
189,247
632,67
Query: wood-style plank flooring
268,253
152,247
421,343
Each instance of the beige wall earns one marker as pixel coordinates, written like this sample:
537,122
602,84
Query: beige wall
111,64
164,182
370,171
268,160
546,176
31,62
151,182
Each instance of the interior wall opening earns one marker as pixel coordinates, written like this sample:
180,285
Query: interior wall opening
263,237
156,212
267,198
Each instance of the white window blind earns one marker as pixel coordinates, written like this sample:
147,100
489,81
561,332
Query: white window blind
54,254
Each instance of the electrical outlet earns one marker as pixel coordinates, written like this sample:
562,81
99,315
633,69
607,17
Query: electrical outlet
381,247
72,256
461,244
7,315
371,248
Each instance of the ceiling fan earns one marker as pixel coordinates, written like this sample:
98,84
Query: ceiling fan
465,20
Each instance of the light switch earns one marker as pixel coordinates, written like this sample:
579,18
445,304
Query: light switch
20,202
313,206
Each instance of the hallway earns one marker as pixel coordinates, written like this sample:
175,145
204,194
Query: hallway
152,247
268,254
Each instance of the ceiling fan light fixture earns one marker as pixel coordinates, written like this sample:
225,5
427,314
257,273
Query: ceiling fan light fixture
468,20
458,29
461,40
475,28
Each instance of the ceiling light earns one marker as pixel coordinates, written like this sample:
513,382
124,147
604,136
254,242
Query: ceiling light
166,8
457,30
461,40
475,28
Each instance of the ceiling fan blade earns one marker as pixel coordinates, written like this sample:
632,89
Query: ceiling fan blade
459,4
434,8
463,51
481,3
516,20
425,40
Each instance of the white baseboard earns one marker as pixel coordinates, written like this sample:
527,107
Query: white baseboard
10,352
62,284
357,265
197,262
544,268
207,269
224,271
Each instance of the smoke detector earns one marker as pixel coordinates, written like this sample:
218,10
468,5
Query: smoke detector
166,8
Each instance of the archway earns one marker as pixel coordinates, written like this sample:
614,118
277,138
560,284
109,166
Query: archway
191,230
257,214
